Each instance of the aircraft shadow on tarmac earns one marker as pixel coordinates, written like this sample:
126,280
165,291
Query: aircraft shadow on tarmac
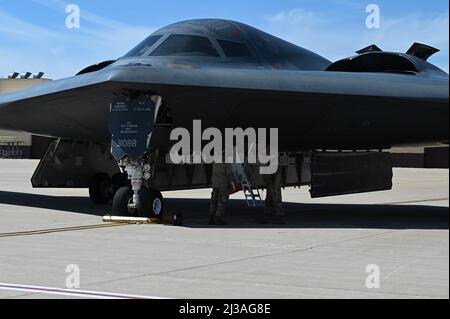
195,212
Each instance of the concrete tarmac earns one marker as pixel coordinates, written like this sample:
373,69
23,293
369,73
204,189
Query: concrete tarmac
323,251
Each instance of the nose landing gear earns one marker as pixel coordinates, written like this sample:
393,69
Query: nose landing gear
132,123
139,200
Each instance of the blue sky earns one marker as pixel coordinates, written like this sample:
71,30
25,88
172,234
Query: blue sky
33,35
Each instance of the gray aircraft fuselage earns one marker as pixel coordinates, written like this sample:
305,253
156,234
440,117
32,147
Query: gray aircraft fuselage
269,84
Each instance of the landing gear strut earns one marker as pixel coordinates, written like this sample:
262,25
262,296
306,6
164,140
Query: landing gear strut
139,200
102,188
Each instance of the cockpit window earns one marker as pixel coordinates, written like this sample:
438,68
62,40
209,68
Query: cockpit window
186,45
272,49
144,46
282,54
235,49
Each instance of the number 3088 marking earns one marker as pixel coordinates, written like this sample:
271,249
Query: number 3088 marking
127,143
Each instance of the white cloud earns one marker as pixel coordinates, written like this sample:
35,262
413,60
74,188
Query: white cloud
61,52
295,17
16,27
336,39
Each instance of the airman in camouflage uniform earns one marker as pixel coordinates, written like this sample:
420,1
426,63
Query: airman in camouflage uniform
273,211
222,184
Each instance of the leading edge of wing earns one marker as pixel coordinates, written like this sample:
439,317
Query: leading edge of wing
53,87
320,82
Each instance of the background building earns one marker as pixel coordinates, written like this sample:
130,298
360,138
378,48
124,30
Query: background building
16,144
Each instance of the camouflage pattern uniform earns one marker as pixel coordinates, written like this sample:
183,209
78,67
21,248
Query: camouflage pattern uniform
222,177
273,211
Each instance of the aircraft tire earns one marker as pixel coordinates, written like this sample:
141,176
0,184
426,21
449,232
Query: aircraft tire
120,202
151,203
118,181
100,189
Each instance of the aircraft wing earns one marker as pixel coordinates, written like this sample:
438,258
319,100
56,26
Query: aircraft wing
78,107
70,105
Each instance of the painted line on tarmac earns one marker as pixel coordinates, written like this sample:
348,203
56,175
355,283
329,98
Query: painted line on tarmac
59,230
72,292
417,201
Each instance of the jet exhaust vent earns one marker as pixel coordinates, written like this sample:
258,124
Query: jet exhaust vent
422,51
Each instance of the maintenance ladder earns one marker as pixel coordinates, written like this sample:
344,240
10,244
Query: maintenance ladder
252,196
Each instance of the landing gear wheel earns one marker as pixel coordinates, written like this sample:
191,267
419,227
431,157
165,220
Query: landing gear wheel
100,189
118,181
120,202
151,203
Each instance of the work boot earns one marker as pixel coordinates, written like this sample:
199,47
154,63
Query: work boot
219,221
278,213
212,219
278,219
213,206
265,218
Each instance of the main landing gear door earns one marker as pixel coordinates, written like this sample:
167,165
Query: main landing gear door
131,125
350,173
